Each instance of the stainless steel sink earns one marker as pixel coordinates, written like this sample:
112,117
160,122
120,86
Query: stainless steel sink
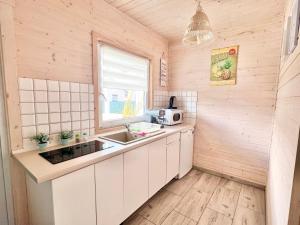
126,137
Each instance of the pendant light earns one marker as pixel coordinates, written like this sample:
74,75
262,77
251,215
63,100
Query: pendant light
199,30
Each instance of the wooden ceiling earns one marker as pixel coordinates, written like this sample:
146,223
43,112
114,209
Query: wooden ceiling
169,18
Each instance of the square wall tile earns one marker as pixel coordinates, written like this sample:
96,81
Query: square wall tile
26,96
64,86
75,97
75,106
91,106
66,126
54,107
92,123
91,88
84,115
53,85
75,116
29,144
84,88
74,87
28,132
53,96
84,106
75,125
65,96
28,120
91,97
54,117
92,132
39,85
92,115
42,118
41,107
43,129
55,128
65,117
27,108
26,84
85,124
84,97
65,107
40,96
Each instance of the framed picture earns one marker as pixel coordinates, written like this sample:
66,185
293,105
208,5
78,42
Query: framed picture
223,70
163,72
292,29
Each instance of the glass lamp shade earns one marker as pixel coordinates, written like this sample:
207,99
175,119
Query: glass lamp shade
199,30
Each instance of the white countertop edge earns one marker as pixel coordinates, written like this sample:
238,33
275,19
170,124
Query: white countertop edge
28,158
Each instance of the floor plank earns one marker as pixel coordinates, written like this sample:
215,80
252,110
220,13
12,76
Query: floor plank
230,184
224,201
176,218
253,198
245,216
207,183
193,204
159,207
212,217
182,186
137,220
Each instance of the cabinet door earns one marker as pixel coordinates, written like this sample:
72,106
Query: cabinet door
135,179
173,150
157,166
109,191
74,198
186,152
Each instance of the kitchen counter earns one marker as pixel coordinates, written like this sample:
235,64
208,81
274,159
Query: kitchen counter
41,170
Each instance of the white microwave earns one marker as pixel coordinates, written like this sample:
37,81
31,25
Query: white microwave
173,116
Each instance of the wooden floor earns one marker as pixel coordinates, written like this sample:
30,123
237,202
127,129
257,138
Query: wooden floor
203,199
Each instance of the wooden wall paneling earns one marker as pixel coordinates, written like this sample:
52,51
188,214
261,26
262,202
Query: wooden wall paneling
234,123
12,103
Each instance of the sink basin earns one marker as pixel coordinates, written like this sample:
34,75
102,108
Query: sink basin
126,137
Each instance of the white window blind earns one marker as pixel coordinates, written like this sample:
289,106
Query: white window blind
122,70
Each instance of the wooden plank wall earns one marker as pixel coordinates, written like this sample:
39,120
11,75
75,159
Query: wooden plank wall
285,141
52,40
234,123
54,37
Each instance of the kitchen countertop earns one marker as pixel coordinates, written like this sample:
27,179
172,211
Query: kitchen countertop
41,170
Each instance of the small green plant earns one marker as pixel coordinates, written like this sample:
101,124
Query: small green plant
66,135
227,64
40,138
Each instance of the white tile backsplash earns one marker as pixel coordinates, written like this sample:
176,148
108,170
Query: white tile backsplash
40,96
185,100
26,84
53,96
49,106
27,108
26,96
39,85
64,86
53,85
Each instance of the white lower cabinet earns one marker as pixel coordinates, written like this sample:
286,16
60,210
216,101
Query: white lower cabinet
109,191
63,201
135,179
186,151
157,166
173,151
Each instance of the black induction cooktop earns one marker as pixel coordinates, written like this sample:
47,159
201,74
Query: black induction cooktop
75,151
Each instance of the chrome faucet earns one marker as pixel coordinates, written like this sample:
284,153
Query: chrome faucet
127,126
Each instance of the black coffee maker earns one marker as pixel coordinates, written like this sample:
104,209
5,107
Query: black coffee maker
172,103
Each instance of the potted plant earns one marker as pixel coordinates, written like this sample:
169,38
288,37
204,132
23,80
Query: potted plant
77,137
65,136
85,136
41,140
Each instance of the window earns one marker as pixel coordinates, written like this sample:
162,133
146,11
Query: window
123,86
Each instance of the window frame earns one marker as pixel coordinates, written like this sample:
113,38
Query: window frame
97,41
